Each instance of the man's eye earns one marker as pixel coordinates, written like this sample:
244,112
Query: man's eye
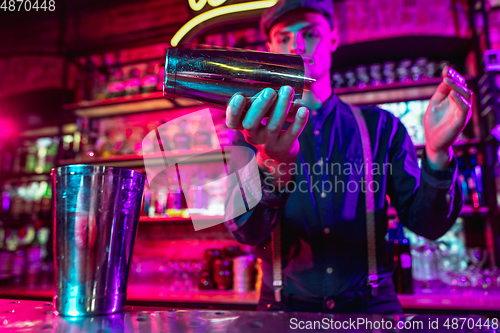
283,40
312,34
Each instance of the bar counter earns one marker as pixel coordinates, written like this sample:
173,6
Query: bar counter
39,316
214,299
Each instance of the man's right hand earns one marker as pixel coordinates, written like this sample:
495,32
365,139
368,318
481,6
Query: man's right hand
274,145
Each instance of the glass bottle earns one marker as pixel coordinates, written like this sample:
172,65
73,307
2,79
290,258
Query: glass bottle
477,177
116,84
402,277
149,80
202,139
182,139
133,83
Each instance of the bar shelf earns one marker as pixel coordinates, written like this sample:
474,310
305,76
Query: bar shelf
134,160
466,211
177,219
163,295
388,93
126,105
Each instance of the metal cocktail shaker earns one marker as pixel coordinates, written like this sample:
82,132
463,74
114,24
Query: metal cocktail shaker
214,76
96,212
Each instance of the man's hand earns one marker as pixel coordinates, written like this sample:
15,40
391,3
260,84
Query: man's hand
448,112
274,145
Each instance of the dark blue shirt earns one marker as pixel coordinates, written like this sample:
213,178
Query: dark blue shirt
324,245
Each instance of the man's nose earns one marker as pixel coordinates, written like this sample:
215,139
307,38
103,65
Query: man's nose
297,45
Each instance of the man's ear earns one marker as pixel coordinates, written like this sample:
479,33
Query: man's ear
335,39
269,46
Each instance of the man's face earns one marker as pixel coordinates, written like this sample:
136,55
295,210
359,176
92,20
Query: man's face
308,34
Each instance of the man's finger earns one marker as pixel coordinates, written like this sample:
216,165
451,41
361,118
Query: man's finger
234,111
463,103
453,75
459,88
252,120
294,130
276,120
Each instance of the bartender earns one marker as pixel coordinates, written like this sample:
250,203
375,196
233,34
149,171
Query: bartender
324,241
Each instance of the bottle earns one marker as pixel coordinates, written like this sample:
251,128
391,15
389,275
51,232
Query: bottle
375,74
50,157
462,179
149,80
402,277
116,85
363,77
389,73
133,83
214,76
182,140
161,77
31,158
202,139
477,178
6,259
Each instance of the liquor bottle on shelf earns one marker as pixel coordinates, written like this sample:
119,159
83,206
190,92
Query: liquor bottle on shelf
51,156
99,88
116,84
351,79
402,277
161,77
375,74
389,72
431,69
7,159
462,177
127,147
133,83
6,259
338,80
149,80
31,158
476,180
182,139
363,77
20,158
202,138
403,71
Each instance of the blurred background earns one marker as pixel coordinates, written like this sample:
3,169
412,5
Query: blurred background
81,82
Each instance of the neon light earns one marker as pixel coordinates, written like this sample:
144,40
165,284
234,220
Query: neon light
197,5
216,3
236,8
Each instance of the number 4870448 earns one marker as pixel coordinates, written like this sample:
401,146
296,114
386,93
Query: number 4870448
28,5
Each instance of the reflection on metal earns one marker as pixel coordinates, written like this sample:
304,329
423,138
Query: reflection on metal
236,8
97,210
214,76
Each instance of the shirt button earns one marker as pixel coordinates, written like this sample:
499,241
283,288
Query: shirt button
329,270
314,113
323,195
330,304
316,132
326,230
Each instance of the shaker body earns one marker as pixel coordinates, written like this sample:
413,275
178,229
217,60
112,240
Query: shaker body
214,76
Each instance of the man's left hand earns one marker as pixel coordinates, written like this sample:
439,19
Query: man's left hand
448,112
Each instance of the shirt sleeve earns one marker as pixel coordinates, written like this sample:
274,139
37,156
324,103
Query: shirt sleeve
428,201
257,224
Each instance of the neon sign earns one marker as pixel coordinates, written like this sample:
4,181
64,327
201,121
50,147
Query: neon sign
197,5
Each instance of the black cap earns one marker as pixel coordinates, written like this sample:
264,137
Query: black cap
272,14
